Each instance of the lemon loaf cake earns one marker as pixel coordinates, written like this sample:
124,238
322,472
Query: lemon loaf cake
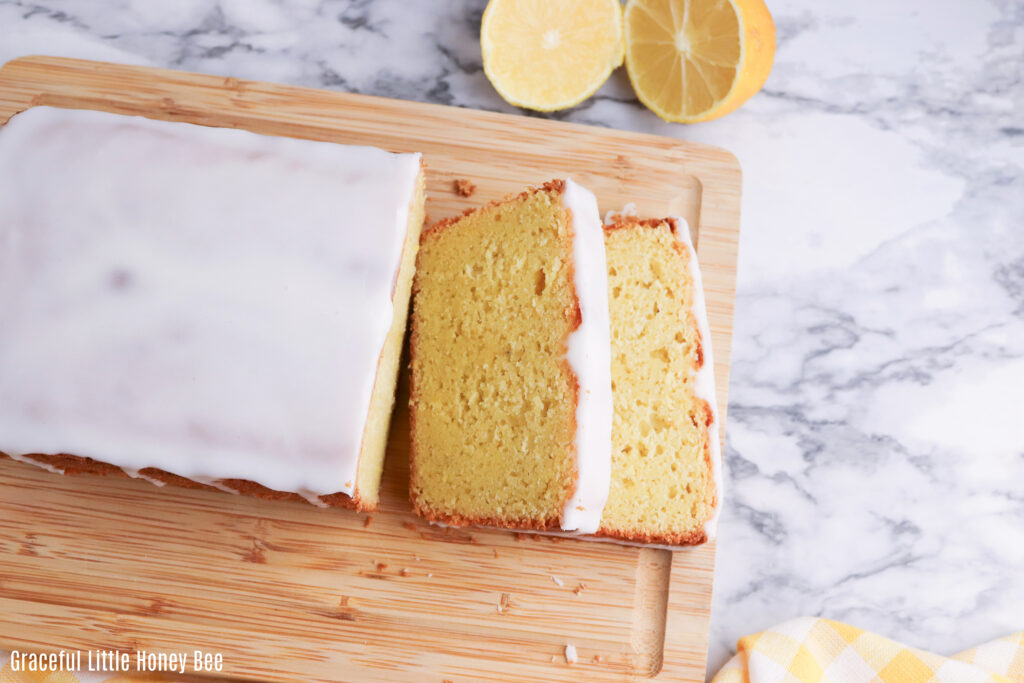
510,391
521,321
665,473
202,306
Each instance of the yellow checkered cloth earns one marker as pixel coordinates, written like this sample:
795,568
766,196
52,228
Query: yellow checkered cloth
810,650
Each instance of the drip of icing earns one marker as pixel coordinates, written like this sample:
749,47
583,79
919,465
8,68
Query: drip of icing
704,382
136,474
153,480
312,498
215,483
206,301
29,461
590,358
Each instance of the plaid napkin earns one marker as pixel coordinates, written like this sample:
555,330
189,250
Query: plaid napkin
810,650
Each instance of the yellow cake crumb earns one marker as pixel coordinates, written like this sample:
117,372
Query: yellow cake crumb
661,488
492,395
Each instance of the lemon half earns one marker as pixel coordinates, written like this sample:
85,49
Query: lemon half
696,60
550,54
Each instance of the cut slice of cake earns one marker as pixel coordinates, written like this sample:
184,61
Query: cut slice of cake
202,306
666,477
510,403
501,433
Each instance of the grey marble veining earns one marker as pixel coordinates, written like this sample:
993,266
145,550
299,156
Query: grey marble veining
875,457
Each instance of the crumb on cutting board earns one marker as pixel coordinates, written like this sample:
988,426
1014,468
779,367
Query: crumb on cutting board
367,521
580,588
464,188
557,581
570,654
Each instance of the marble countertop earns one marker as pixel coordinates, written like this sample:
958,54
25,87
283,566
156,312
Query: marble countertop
875,454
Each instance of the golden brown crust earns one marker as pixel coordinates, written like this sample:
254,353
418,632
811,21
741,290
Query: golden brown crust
574,315
694,537
457,520
78,465
712,488
73,464
699,343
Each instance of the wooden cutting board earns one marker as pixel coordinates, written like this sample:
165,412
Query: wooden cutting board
287,591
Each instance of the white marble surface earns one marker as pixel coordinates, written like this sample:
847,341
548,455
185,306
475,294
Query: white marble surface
876,418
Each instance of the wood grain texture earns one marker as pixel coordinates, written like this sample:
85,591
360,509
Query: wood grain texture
290,592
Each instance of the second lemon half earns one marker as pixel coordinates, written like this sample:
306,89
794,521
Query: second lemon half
697,60
546,55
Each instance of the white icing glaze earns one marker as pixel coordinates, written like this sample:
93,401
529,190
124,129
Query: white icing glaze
312,498
206,301
590,358
704,382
